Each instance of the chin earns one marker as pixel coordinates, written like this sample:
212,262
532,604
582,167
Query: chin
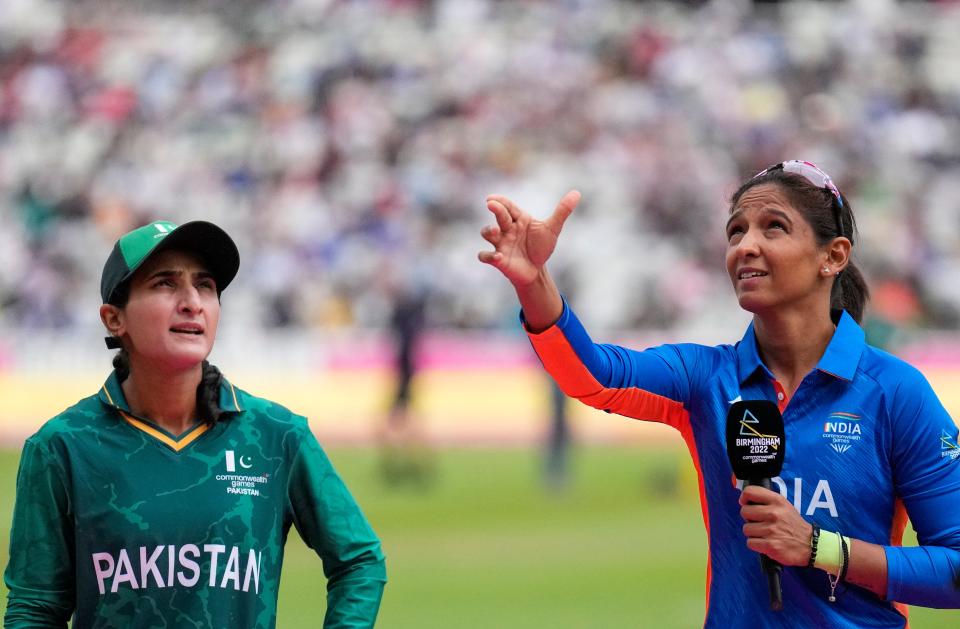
182,361
752,304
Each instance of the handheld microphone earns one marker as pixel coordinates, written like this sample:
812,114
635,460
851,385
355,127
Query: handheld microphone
755,446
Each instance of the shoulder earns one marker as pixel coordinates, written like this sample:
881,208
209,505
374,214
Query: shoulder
267,413
695,354
902,386
889,371
87,413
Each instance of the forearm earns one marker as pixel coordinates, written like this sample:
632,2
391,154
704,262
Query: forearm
353,598
540,301
35,614
868,567
923,575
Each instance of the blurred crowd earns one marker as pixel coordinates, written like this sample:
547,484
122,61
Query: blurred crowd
348,147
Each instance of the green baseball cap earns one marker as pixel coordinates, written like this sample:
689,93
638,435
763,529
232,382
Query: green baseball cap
205,240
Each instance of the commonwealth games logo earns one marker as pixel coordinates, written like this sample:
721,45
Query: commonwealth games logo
245,482
948,445
842,430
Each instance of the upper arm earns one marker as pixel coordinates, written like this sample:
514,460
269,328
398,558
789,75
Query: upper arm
654,384
40,573
325,513
926,461
926,476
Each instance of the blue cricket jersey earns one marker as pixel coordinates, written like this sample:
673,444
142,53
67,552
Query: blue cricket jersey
868,444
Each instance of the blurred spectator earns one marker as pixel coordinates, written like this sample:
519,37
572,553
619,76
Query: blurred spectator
332,132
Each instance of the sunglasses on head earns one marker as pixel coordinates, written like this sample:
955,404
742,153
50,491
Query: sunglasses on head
814,175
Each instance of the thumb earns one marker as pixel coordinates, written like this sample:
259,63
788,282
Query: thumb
563,211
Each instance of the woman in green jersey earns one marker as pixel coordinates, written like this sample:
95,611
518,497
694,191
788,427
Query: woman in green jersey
165,499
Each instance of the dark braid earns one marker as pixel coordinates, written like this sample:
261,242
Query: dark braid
121,363
208,394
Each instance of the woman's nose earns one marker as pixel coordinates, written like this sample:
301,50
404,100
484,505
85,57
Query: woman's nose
190,300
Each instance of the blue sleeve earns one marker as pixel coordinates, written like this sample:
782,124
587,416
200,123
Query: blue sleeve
926,473
654,384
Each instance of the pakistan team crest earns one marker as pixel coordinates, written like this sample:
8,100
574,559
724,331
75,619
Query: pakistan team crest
243,481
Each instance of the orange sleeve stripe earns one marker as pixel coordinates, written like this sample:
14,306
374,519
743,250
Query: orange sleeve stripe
686,431
575,380
896,539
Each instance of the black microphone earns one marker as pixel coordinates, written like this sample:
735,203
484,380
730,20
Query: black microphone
755,445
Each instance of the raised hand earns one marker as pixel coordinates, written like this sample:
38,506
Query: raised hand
523,244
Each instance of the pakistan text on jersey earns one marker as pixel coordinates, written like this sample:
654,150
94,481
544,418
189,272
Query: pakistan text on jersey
169,566
243,485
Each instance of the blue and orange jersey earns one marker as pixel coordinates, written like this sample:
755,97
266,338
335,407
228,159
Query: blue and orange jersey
867,445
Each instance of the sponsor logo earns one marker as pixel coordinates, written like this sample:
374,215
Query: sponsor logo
948,445
241,484
162,229
171,566
842,431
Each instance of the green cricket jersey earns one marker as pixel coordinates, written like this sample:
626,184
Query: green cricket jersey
125,525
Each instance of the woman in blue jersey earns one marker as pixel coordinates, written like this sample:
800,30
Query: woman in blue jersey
165,499
868,442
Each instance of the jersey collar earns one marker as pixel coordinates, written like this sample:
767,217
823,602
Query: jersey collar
111,394
840,359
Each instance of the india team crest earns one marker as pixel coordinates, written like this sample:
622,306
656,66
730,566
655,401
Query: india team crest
842,431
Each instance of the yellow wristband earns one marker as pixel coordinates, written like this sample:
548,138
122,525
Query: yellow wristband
829,554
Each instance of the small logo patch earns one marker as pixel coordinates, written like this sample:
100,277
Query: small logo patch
842,431
244,483
948,445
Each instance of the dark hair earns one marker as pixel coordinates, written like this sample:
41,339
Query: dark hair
828,220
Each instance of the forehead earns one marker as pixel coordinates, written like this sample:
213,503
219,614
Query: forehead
172,260
764,196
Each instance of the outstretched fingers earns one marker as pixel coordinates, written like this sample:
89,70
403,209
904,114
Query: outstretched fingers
490,257
562,212
492,234
512,210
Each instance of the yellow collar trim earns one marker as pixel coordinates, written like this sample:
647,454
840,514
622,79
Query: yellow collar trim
109,397
233,391
160,436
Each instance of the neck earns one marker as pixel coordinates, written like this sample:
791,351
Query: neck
791,344
167,399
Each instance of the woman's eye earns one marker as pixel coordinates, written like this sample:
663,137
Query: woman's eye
734,231
778,225
206,285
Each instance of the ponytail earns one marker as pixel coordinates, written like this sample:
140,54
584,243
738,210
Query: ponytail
121,364
850,292
208,394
